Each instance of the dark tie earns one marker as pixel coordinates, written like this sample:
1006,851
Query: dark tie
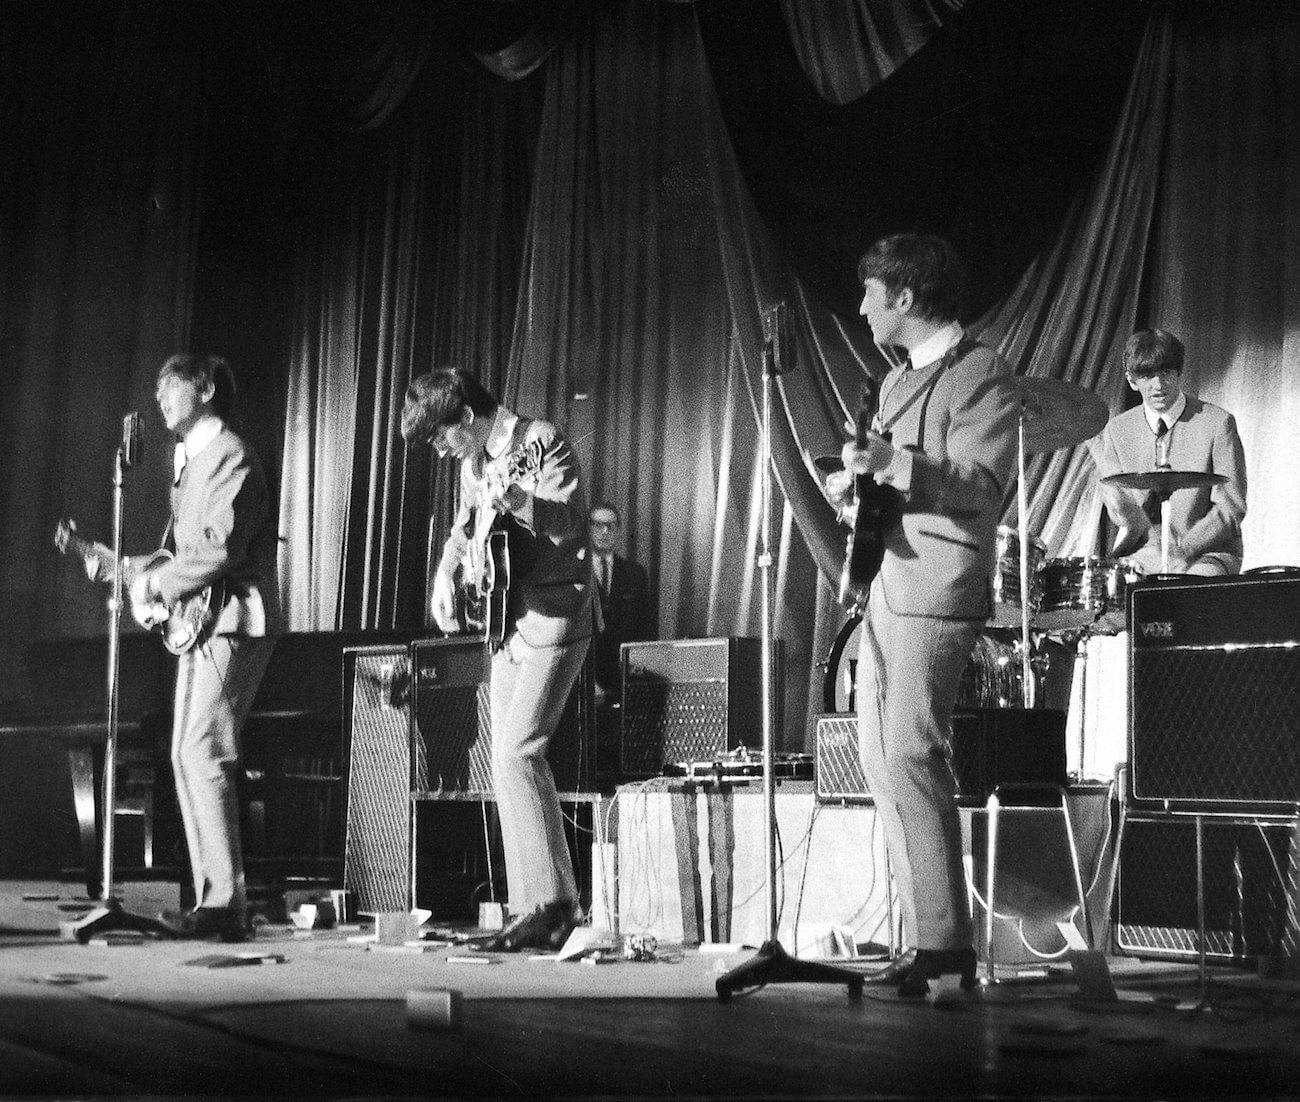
1162,431
604,577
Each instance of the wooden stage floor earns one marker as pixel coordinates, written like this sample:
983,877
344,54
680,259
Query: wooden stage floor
331,1022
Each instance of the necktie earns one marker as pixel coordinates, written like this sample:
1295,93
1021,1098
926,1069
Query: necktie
604,576
1162,443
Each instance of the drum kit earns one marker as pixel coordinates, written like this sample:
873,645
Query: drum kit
1071,598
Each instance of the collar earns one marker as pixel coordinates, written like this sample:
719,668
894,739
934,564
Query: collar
934,346
1169,417
501,433
198,438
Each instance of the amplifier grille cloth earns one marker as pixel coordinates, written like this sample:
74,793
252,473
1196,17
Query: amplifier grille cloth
1216,725
837,771
376,854
453,744
672,721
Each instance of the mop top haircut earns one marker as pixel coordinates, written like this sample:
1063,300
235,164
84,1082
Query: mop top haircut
202,370
1150,352
439,398
926,265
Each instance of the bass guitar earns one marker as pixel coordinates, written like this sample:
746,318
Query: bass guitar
877,507
181,626
485,566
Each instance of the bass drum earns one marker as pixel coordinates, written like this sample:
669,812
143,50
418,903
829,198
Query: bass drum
993,677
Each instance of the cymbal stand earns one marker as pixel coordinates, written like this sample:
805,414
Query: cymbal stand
772,964
110,916
1022,507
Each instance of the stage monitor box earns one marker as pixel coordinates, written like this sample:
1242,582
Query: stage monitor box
693,700
377,722
1155,901
452,724
1214,718
990,747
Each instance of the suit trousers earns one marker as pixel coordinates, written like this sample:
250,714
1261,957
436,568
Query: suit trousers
909,671
215,687
530,687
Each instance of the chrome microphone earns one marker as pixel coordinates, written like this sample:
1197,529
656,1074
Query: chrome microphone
130,439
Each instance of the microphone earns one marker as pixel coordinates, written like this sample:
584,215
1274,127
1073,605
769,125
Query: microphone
130,445
773,334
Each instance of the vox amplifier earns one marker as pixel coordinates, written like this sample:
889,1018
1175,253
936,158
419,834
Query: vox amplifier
1214,722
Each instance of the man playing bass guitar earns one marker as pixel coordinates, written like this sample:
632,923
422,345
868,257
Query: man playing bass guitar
944,439
525,472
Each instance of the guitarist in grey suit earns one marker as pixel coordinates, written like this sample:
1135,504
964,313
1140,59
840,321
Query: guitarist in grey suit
223,541
522,475
944,440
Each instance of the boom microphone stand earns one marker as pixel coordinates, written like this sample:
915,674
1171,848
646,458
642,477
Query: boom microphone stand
110,916
772,964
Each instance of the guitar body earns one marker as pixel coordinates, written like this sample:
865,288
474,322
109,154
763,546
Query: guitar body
483,597
878,507
181,626
485,570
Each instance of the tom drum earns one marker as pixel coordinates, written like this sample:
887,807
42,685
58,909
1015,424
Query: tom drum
1006,577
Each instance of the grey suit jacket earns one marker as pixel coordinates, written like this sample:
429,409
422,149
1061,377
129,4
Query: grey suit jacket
1205,520
955,426
222,530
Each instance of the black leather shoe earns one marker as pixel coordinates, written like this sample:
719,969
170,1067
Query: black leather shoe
894,973
930,964
207,923
546,927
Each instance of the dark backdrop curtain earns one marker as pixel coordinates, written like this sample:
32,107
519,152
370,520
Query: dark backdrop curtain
102,139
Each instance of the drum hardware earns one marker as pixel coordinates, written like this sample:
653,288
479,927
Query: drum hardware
1164,482
1053,414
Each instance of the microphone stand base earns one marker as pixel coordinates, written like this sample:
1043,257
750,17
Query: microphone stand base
109,917
772,964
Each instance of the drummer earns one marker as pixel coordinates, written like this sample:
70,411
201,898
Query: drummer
1173,429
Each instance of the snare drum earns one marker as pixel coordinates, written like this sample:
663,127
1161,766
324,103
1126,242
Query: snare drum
1006,577
1072,593
993,677
1119,576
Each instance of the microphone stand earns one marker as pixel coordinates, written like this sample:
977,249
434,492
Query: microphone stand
772,964
110,916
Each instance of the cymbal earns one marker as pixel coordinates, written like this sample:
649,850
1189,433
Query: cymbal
828,464
1058,414
1164,482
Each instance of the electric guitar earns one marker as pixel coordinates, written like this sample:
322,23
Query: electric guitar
485,566
181,625
878,506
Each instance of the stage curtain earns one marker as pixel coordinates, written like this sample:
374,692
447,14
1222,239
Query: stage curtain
1225,251
407,260
102,125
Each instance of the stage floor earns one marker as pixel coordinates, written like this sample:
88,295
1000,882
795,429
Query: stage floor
330,1021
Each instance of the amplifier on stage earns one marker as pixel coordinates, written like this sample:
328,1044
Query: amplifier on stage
452,724
990,747
692,700
1215,718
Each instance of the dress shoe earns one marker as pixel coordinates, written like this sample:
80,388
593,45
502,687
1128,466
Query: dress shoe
206,923
930,964
547,927
895,972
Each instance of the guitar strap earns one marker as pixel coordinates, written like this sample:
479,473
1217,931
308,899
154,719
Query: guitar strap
957,352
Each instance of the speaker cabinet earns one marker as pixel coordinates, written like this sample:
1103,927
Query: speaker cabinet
1214,723
377,712
692,700
990,746
452,730
1155,902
